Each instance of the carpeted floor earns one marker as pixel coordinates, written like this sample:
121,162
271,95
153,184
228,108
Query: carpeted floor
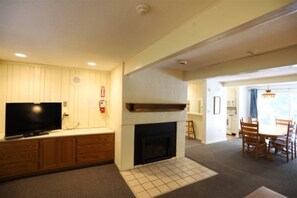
236,177
97,181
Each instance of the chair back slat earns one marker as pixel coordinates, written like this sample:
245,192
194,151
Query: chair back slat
247,127
284,122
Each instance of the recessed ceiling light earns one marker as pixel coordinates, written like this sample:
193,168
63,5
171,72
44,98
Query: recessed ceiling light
91,63
20,55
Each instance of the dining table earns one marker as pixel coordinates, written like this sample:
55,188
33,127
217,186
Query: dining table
271,132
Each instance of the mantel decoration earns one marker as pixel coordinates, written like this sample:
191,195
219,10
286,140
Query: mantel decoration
268,93
152,107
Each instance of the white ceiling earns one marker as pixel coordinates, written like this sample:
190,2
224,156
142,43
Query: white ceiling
74,32
271,35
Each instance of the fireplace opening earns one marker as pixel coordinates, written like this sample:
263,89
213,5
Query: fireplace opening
154,142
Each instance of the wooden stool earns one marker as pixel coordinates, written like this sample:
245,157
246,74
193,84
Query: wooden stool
190,129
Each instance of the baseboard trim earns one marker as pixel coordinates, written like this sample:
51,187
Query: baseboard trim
214,141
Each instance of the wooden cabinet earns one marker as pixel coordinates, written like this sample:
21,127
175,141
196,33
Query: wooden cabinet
18,157
57,152
49,154
95,148
67,151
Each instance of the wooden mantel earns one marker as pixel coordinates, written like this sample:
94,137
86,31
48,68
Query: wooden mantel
152,107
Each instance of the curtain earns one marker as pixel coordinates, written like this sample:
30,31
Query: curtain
253,106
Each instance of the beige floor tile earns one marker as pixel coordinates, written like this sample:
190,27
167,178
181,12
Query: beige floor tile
156,171
158,182
182,174
183,168
158,178
148,185
138,175
166,179
152,167
143,180
175,177
148,173
189,179
176,170
197,170
189,172
173,185
197,177
170,166
144,168
191,166
169,172
211,172
182,182
129,177
152,177
203,168
143,194
164,168
126,173
204,175
161,175
137,188
136,170
164,188
133,182
153,192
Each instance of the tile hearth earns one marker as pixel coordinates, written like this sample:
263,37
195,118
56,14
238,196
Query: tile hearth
157,178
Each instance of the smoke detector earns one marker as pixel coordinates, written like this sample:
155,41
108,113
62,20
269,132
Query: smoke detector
182,62
142,9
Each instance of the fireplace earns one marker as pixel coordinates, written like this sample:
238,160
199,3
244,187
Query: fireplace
154,142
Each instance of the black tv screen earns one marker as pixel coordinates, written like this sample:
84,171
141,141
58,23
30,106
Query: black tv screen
31,118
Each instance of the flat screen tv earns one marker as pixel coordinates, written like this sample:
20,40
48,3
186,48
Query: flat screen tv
25,119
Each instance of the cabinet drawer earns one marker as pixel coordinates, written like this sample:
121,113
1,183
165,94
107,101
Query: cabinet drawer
94,139
93,148
18,168
95,157
18,146
16,156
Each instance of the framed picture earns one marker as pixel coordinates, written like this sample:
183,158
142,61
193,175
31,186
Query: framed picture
216,105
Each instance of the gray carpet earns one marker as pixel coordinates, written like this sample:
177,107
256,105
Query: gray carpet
97,181
237,177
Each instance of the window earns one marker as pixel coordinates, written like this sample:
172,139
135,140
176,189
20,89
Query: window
284,105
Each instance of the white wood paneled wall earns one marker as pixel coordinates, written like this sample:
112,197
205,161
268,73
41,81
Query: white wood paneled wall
24,82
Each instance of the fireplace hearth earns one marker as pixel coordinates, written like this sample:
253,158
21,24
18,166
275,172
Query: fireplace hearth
154,142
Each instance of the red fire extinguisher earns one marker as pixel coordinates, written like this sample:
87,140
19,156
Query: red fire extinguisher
102,106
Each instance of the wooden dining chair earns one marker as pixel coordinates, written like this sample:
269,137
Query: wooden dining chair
251,140
282,122
285,144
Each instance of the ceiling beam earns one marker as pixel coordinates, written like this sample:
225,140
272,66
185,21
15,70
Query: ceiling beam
221,17
268,80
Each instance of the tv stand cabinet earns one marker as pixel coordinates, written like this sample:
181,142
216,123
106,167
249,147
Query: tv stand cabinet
41,155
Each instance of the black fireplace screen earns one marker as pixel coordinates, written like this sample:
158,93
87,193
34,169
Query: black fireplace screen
154,142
